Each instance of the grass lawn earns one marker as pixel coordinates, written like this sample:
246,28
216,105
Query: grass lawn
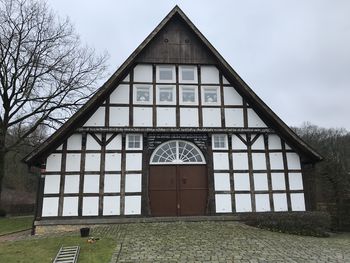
13,224
44,250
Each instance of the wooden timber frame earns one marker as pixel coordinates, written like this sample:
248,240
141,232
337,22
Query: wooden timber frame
149,53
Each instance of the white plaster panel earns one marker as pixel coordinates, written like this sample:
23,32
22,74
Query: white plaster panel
132,183
90,206
127,78
59,148
259,143
91,143
224,80
115,143
293,161
70,206
53,162
280,202
189,117
120,95
259,161
209,75
143,117
243,203
231,97
143,73
220,161
52,184
111,205
298,202
222,182
260,181
234,118
166,117
295,181
132,205
241,181
211,117
278,181
73,162
288,147
92,162
262,202
71,184
118,116
50,206
133,161
254,120
237,143
91,183
274,142
74,142
240,161
112,183
276,161
113,162
223,203
97,119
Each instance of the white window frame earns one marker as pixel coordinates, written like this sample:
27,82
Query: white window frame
216,88
176,154
195,88
187,67
128,137
173,102
143,86
225,141
160,67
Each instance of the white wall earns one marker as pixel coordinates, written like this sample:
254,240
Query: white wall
166,117
120,95
132,205
223,203
50,206
97,119
119,116
52,184
143,117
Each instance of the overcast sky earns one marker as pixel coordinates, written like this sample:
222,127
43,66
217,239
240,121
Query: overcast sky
295,54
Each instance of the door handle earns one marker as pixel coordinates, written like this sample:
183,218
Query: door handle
184,180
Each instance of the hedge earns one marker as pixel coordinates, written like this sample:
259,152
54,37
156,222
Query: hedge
299,223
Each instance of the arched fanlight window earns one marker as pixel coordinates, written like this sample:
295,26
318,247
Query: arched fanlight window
177,152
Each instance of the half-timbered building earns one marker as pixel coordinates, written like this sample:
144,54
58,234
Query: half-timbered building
174,132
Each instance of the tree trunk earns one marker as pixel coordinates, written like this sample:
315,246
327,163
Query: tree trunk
2,161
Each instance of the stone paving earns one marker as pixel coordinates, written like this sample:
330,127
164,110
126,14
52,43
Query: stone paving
219,242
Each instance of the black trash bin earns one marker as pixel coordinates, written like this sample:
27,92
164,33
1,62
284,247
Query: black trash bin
84,232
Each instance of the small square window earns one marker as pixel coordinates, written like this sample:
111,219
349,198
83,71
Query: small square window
189,94
219,141
134,142
166,74
188,74
211,95
166,95
143,94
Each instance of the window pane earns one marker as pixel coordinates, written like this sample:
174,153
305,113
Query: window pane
187,73
166,94
210,95
188,95
143,94
165,73
219,141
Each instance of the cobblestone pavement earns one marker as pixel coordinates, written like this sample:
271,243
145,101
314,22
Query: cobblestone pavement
219,242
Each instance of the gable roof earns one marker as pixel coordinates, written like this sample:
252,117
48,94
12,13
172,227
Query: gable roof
36,156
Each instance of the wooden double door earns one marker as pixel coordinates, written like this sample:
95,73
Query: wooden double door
178,190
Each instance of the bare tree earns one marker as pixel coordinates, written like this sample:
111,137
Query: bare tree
45,72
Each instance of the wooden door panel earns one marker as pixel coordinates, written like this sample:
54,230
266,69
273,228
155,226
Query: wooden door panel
162,178
163,203
163,190
193,177
178,190
193,202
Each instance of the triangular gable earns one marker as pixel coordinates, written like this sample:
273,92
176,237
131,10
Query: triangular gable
203,49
